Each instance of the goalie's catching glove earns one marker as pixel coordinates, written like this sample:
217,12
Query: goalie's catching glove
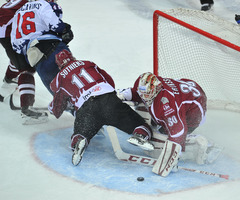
237,18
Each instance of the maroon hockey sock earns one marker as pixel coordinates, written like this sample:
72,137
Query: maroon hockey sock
26,85
11,72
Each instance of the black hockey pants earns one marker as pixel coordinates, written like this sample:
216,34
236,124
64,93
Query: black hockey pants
105,109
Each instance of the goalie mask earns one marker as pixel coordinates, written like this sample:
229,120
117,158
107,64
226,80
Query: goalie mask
63,58
148,88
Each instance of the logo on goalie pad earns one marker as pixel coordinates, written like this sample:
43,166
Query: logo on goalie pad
171,161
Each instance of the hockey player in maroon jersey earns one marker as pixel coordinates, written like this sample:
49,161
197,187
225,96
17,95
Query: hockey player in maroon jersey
19,73
90,90
178,106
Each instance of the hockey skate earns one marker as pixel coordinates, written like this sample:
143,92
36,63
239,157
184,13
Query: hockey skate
8,87
206,7
31,116
138,140
78,151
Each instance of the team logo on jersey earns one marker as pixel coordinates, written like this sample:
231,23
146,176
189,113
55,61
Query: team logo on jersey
164,100
168,110
97,88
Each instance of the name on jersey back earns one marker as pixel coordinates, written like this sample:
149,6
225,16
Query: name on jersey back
30,6
71,67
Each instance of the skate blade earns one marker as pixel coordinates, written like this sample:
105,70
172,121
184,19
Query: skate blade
145,145
32,121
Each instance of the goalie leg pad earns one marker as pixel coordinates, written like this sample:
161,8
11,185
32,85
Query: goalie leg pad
168,159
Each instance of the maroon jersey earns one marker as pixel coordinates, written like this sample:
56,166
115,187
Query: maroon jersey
179,106
76,83
7,12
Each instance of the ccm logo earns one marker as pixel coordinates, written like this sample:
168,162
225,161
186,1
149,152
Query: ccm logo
141,160
171,161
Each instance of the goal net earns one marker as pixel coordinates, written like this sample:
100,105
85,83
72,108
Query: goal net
199,46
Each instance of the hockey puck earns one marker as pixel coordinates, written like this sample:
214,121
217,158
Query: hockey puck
140,179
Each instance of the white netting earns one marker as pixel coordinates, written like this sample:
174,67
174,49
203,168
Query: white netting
183,53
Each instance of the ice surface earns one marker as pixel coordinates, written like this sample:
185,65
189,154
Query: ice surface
117,35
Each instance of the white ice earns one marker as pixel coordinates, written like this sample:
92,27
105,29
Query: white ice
117,35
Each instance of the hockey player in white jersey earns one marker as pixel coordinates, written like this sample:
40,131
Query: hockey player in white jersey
39,33
19,74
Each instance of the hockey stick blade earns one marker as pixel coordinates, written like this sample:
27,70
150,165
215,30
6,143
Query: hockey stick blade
13,107
148,161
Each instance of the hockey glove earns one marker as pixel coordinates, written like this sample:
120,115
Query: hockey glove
124,94
67,34
237,18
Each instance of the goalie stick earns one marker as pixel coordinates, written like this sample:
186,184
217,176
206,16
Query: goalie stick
13,107
148,161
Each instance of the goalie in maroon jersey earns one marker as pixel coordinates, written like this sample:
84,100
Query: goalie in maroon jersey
90,90
178,106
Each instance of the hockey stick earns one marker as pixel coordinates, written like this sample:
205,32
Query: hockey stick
148,161
13,107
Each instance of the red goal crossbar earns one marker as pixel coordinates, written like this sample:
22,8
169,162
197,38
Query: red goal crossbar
158,13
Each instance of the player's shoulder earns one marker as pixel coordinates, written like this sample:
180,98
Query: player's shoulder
87,62
56,8
14,5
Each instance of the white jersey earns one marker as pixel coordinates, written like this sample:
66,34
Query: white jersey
35,20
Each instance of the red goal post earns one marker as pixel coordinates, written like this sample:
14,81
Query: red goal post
200,46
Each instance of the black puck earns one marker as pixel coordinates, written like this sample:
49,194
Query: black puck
140,179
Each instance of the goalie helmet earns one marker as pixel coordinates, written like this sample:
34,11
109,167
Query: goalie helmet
63,58
148,88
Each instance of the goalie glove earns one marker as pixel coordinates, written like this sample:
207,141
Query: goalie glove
237,18
124,94
168,159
